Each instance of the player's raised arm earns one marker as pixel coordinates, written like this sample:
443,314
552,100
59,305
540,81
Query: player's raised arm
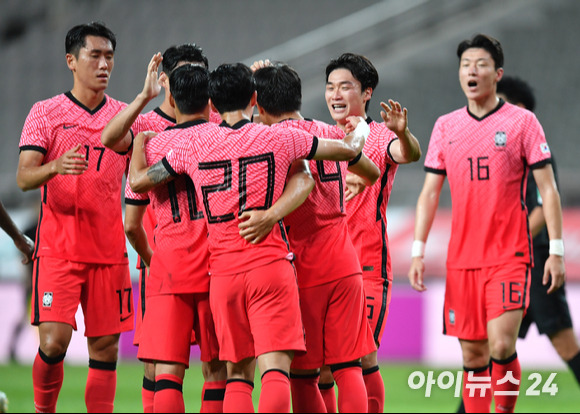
256,224
143,178
347,148
407,148
554,267
425,214
136,233
116,135
32,173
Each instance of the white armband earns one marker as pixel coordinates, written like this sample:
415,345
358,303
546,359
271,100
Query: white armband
418,249
557,247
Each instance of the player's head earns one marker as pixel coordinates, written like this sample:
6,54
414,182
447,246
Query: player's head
279,89
485,42
231,87
516,91
185,53
350,82
189,88
480,67
76,38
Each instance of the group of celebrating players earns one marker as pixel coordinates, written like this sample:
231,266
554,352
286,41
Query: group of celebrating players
262,234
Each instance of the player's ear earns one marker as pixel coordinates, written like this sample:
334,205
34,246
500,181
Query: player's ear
171,100
212,106
71,61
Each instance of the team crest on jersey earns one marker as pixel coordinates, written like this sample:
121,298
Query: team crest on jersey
47,299
544,148
500,139
452,317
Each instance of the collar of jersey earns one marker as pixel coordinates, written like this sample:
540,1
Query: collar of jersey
237,125
70,96
162,114
188,124
493,111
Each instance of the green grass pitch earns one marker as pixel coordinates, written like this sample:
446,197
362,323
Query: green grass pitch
16,382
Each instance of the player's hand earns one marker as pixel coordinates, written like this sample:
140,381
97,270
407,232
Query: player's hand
352,122
143,138
554,267
354,186
153,82
255,225
416,274
395,118
26,246
259,64
72,162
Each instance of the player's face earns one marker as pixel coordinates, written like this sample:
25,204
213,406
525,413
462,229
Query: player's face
94,64
477,74
344,97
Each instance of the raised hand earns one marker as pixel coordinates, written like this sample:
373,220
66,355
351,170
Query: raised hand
394,116
152,86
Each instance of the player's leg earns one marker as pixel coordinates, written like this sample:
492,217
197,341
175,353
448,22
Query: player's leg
169,387
148,387
274,369
56,295
566,344
326,387
107,304
477,393
373,382
239,386
214,386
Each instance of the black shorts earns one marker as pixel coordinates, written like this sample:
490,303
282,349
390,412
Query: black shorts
550,313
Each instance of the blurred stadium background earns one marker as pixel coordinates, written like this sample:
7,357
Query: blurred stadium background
411,42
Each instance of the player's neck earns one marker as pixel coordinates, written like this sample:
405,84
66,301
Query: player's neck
167,109
183,118
482,107
233,117
88,97
287,116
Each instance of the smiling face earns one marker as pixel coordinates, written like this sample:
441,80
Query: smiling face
344,97
93,66
477,75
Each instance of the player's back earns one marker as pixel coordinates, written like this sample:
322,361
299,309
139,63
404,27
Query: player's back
235,169
320,222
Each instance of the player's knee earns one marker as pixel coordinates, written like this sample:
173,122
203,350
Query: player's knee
214,370
53,348
502,348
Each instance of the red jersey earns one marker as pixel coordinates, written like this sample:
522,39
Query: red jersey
238,168
81,216
367,212
156,121
319,224
486,162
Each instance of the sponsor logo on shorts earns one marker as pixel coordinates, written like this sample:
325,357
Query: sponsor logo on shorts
452,317
47,299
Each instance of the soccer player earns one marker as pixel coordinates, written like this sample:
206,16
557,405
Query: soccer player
21,240
485,149
331,292
80,253
253,294
350,82
549,312
140,220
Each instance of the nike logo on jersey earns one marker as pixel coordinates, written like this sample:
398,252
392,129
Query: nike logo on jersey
65,126
124,319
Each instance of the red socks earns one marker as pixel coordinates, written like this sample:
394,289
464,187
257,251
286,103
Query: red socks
329,396
238,396
475,381
101,386
275,394
352,393
147,395
212,397
506,377
306,397
168,394
47,377
375,389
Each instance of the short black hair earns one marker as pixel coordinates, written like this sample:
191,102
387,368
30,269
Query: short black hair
188,52
361,68
482,41
77,36
279,89
517,91
189,87
231,86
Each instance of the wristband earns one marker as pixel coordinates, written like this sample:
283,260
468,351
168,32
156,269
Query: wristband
557,247
418,249
362,128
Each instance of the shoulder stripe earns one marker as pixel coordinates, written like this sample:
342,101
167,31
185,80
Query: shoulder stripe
435,171
33,148
314,148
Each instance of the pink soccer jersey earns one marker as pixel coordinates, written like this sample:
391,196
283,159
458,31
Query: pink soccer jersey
81,216
317,230
238,168
180,261
367,212
486,162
